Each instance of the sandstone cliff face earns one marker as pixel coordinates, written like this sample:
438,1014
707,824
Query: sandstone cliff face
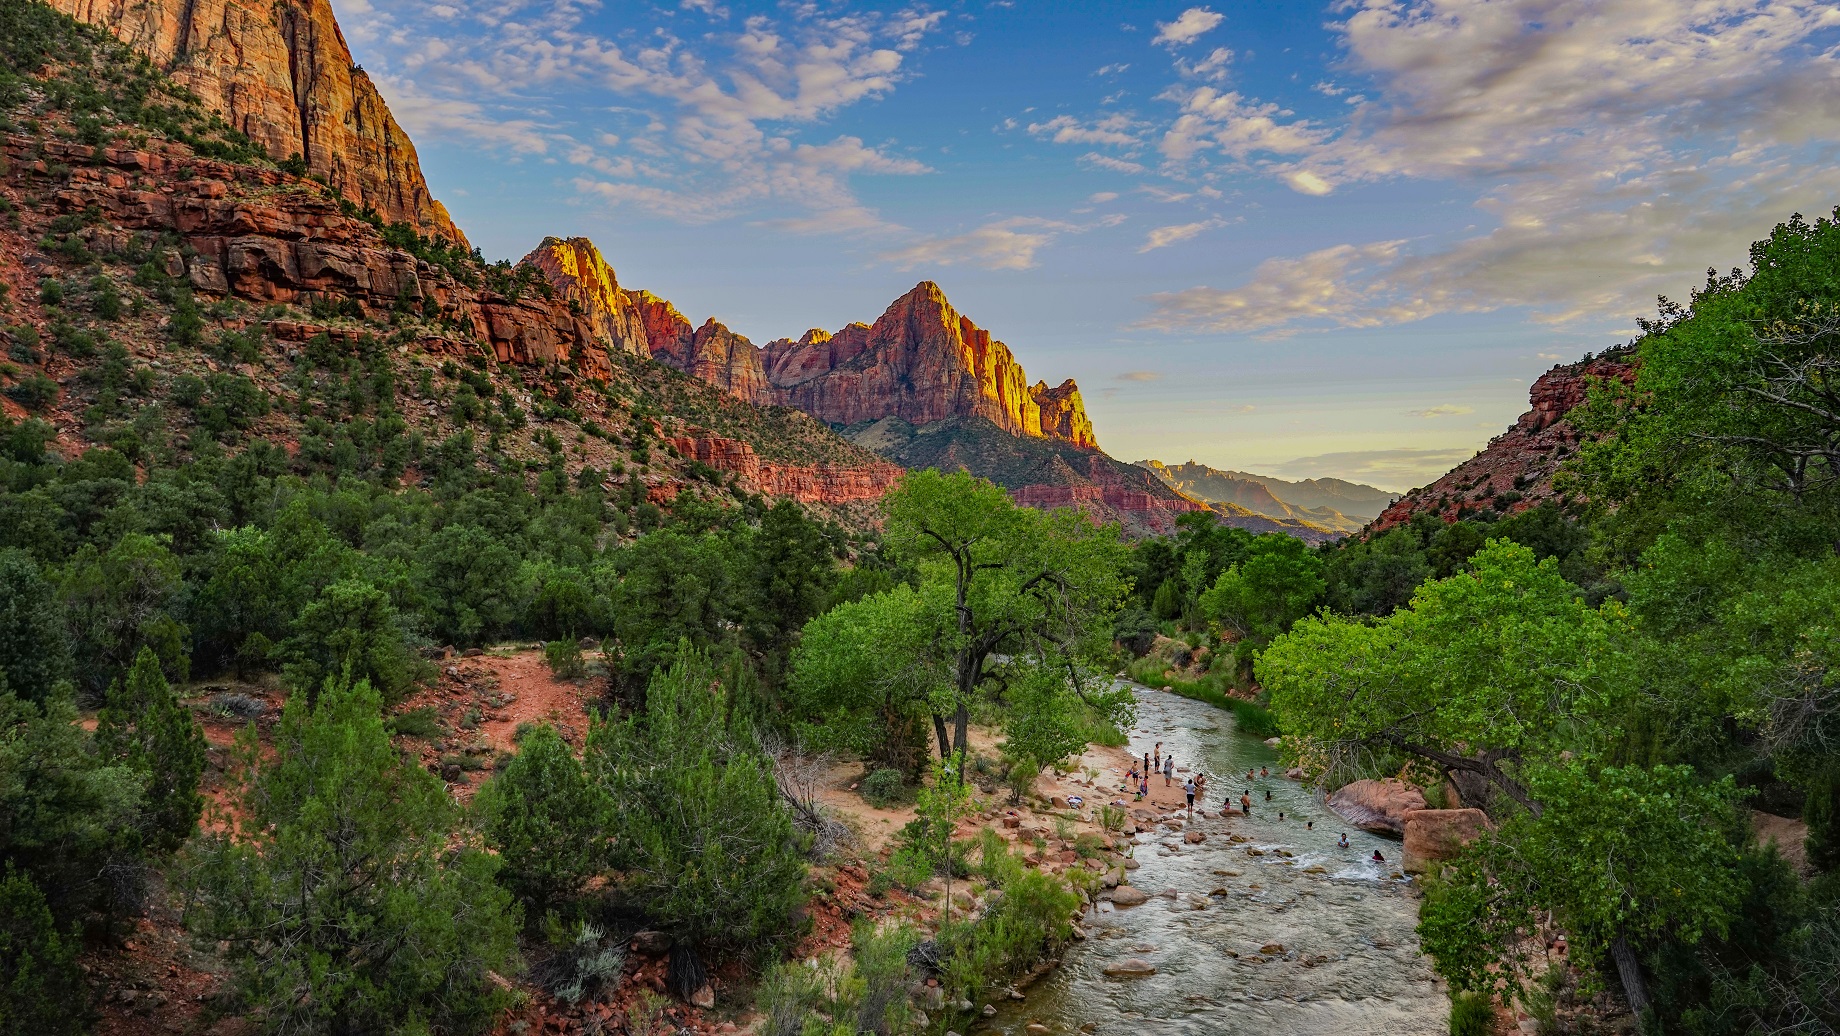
1515,471
921,361
280,71
806,483
581,275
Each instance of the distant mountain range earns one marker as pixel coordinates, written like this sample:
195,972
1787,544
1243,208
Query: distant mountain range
1314,509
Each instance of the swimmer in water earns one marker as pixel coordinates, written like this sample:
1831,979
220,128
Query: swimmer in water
1378,858
1342,843
1263,772
1245,804
1309,825
1268,795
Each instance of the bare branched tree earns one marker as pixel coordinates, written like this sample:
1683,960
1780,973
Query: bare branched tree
799,776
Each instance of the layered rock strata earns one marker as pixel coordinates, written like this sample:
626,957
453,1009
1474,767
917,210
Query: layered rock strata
806,483
921,361
280,71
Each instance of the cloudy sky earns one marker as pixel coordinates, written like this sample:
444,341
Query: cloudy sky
1292,237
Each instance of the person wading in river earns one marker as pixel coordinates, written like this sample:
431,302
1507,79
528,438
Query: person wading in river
1169,771
1188,788
1245,802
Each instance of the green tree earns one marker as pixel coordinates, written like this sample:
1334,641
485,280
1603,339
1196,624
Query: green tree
144,725
34,652
1482,674
703,836
1278,583
41,988
866,673
468,583
791,570
1021,580
547,820
1618,858
941,803
345,905
351,631
68,818
118,602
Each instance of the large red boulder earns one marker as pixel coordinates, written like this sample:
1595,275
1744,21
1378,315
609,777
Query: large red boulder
1377,806
1439,834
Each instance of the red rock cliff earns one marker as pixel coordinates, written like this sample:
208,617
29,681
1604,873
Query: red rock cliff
1515,471
585,281
279,70
921,361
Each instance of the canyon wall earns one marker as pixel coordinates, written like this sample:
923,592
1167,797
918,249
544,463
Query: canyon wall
1515,471
921,361
279,71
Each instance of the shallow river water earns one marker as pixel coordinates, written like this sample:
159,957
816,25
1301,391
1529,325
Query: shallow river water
1350,962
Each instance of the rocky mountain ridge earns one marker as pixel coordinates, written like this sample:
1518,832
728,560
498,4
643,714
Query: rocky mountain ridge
921,360
1239,495
1515,471
280,72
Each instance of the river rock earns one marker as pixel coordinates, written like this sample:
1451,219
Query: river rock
1131,864
1295,773
1128,895
1131,967
990,1011
1439,834
1274,741
1272,949
1036,1029
704,997
1379,807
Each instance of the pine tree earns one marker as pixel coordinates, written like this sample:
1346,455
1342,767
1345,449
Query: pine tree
547,820
345,907
41,990
144,725
34,654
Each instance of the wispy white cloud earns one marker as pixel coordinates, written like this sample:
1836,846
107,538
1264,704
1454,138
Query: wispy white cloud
1140,376
1321,286
1008,244
1188,27
1614,147
1442,410
1115,129
1163,237
1110,164
713,127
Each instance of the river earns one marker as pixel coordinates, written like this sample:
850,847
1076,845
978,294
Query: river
1349,962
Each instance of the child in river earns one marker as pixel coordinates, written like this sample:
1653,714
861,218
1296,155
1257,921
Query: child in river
1188,788
1342,842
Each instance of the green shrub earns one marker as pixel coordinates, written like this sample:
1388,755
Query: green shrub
564,659
1032,914
34,392
41,988
703,836
1471,1014
315,940
424,722
885,788
546,819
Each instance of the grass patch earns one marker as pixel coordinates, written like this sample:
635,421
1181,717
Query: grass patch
424,722
1251,717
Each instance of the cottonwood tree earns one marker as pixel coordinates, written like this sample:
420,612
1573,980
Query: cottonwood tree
1019,581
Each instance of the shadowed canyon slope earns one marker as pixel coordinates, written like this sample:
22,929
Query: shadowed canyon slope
1515,471
279,71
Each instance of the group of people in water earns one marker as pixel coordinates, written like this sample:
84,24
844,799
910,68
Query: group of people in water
1155,762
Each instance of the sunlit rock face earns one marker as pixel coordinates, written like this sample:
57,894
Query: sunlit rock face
279,71
583,279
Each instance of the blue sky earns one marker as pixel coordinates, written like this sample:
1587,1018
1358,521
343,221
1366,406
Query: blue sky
1298,238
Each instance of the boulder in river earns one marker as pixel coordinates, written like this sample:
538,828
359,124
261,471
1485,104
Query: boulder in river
1379,807
1128,895
1439,834
1194,838
1131,967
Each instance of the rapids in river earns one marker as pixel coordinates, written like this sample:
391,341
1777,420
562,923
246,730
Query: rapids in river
1349,962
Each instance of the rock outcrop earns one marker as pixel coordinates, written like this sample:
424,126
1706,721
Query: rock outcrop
280,71
921,361
581,275
1515,471
1432,835
1377,806
806,483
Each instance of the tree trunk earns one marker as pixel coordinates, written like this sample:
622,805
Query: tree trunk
1635,990
945,739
